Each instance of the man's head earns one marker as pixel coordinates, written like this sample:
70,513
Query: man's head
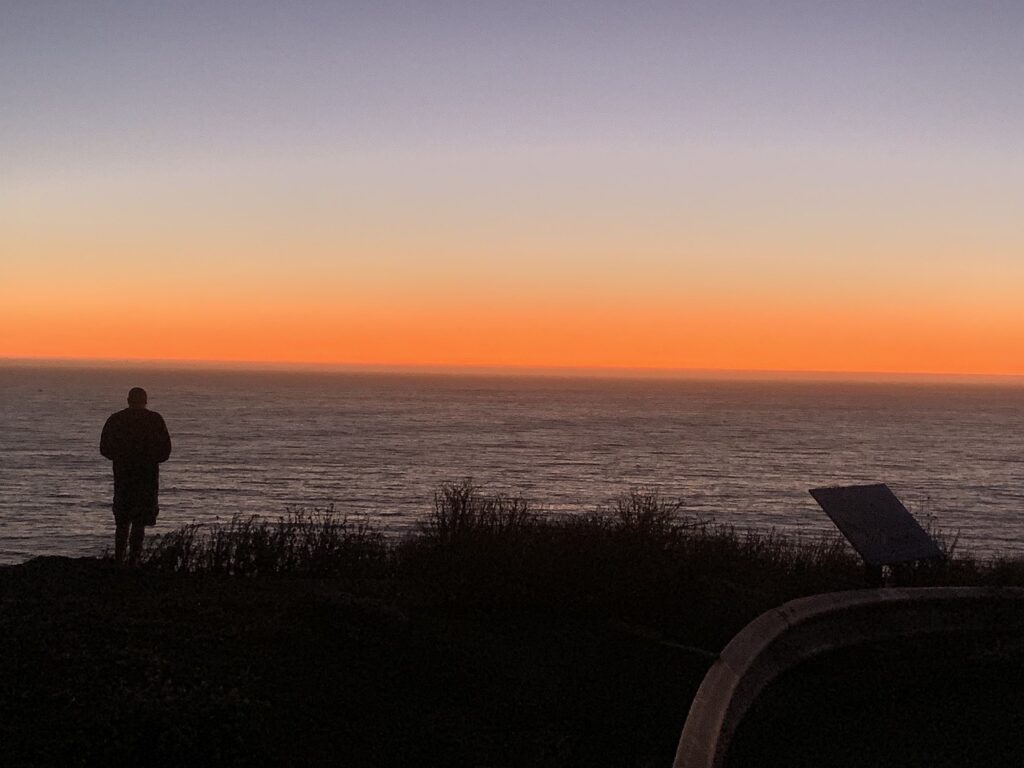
137,397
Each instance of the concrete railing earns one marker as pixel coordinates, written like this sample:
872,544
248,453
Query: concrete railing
803,629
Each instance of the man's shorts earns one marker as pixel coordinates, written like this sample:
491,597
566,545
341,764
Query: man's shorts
134,505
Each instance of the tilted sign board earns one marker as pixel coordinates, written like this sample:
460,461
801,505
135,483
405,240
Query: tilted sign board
877,525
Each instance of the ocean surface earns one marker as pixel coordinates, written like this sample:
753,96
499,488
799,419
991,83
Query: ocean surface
738,452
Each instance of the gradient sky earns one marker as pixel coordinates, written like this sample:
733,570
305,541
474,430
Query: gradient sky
735,185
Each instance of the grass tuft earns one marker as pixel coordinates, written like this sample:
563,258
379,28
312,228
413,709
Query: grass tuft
317,542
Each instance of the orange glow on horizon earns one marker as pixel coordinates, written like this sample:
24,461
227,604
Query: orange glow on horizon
597,291
719,336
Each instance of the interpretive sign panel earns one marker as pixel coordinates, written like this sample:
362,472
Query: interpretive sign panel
877,525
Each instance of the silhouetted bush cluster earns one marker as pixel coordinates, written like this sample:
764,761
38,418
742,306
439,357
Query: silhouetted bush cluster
640,560
462,515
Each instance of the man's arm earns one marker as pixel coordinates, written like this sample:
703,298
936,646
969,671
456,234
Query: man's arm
163,440
107,441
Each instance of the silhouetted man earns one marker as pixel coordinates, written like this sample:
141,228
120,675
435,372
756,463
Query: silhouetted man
136,440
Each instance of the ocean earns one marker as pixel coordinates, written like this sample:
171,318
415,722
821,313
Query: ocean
733,451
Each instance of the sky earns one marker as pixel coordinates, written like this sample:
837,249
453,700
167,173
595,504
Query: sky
720,185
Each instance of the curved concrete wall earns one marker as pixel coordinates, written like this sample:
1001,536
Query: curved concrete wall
802,629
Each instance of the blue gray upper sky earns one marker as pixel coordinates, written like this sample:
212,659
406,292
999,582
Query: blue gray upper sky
97,82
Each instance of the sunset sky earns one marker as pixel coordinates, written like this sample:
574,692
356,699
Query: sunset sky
719,185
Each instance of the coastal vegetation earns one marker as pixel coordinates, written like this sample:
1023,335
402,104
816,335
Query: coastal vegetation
639,557
639,560
494,634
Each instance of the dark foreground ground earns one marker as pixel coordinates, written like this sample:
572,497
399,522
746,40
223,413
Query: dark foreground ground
101,666
106,667
919,703
492,637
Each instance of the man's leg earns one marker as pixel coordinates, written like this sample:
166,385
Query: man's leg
138,532
120,541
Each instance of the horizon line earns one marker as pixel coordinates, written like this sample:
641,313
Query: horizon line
609,371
